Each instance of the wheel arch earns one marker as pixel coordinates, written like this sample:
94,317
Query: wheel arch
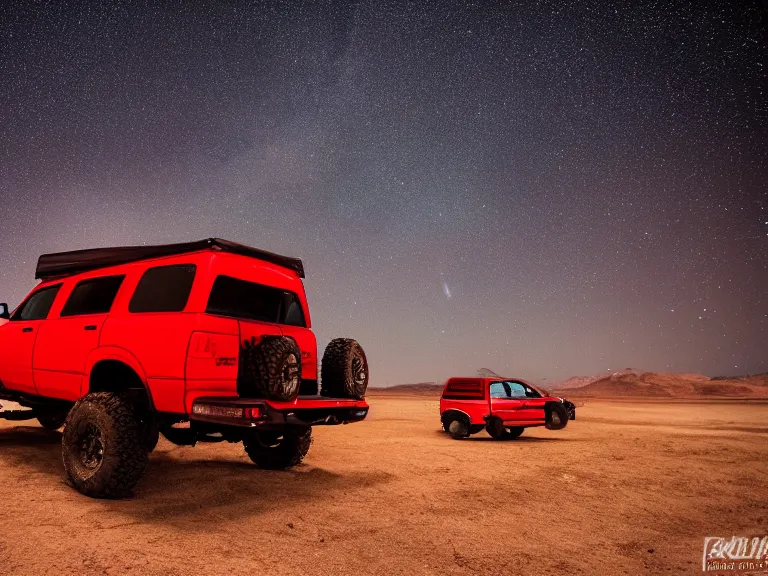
115,369
452,413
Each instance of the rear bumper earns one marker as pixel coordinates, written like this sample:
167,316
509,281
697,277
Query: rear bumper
259,413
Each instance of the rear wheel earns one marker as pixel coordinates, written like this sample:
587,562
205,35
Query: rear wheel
278,449
103,446
458,428
514,432
344,370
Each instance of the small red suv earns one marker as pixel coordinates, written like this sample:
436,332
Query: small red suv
200,341
503,407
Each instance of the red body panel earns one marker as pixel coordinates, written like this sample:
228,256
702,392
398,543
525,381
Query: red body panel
472,397
17,341
180,356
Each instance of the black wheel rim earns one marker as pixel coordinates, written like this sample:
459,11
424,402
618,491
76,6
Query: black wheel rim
291,373
90,446
358,371
456,427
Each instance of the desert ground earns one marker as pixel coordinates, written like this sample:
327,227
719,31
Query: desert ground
630,487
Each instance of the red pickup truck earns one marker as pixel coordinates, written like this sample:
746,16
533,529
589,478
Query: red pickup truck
504,407
200,341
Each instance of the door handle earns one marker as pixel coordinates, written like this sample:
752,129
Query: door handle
27,329
90,327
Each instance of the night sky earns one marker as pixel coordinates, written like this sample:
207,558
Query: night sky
544,189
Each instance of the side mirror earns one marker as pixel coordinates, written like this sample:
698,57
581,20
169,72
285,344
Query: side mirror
4,313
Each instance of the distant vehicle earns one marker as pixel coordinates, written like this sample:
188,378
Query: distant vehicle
200,341
503,407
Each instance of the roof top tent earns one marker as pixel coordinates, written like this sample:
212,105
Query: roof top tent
66,263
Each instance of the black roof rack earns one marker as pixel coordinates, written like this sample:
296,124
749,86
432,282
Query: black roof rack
67,263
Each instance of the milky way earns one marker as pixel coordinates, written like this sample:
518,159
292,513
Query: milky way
539,189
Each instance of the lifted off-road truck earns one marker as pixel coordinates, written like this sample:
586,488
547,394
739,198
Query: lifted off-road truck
201,341
503,407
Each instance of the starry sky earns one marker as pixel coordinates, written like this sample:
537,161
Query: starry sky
541,188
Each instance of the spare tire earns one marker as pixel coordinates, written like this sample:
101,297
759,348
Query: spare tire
555,416
277,364
344,371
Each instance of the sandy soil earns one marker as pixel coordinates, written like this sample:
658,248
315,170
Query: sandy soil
628,488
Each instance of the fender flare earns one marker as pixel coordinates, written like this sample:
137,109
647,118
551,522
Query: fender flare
455,412
120,355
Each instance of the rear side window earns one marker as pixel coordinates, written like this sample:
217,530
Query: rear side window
38,305
163,289
92,296
464,390
252,301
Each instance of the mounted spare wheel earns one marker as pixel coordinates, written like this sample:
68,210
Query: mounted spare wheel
276,362
457,427
344,371
555,416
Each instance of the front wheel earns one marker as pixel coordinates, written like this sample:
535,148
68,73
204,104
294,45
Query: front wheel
458,428
555,416
497,431
103,446
278,449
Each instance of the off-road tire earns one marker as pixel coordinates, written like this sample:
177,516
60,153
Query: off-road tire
274,368
52,420
497,431
555,416
344,370
495,428
475,428
278,449
151,433
458,428
103,447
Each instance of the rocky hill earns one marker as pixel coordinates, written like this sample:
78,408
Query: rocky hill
631,383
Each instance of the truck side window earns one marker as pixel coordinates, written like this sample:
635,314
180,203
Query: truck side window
498,390
93,296
163,289
509,389
38,305
293,315
252,301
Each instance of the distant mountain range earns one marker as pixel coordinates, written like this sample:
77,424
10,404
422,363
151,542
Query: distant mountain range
627,383
634,383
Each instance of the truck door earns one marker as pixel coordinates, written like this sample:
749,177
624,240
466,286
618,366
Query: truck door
17,339
510,401
63,344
